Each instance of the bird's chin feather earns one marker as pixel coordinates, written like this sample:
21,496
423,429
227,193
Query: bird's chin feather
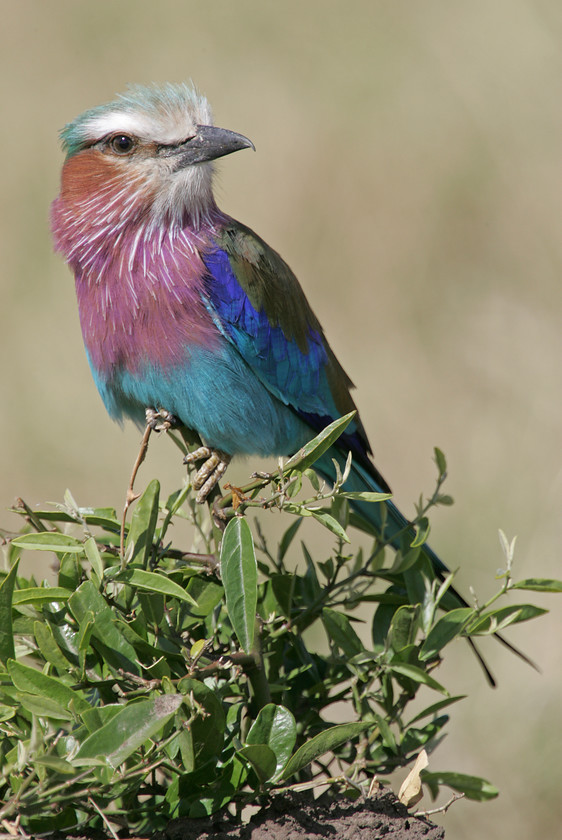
184,196
104,196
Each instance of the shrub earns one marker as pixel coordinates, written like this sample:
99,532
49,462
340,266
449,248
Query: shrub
155,682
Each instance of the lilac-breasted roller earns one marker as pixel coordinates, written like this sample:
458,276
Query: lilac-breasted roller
183,308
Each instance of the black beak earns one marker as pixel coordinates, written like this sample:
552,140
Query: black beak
209,143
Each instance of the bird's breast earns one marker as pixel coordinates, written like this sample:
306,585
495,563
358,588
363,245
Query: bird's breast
140,300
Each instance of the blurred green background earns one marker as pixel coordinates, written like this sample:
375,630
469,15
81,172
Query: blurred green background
408,168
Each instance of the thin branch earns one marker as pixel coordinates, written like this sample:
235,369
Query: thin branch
442,810
131,495
104,818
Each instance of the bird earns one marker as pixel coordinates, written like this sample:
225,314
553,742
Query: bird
187,313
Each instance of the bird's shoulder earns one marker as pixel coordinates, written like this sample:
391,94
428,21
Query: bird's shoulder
264,277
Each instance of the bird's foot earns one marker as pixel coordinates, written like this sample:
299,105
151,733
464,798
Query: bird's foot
210,473
161,420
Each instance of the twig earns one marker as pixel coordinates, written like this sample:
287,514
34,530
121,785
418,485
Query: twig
131,495
210,561
10,806
14,829
30,516
440,810
104,818
300,787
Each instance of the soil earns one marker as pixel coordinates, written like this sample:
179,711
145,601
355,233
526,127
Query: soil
299,818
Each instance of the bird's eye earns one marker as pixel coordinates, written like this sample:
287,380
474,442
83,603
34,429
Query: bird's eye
121,144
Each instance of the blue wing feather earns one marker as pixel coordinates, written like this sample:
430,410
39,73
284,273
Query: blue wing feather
293,375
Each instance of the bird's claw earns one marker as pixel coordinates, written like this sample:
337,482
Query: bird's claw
159,420
210,473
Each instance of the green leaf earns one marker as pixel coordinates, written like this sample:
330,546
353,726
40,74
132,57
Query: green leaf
56,764
436,707
339,630
329,522
207,594
85,633
287,538
94,557
472,786
87,601
382,620
414,739
48,646
324,742
128,730
495,620
440,460
327,568
404,560
70,571
416,674
240,579
231,779
103,517
280,591
445,630
422,532
312,451
31,681
98,716
6,713
152,607
276,727
311,588
138,546
39,594
294,485
204,737
403,626
420,590
367,496
313,478
50,541
262,758
340,510
539,585
45,707
386,734
172,507
154,582
6,632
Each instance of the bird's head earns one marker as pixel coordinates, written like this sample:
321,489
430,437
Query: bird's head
147,155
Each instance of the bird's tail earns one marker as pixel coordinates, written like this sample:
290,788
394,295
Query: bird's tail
390,525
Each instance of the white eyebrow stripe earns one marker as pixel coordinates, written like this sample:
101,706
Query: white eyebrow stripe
140,125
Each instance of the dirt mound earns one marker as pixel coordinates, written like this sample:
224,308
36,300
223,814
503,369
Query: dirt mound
294,817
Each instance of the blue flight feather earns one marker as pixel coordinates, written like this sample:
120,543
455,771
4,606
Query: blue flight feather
293,375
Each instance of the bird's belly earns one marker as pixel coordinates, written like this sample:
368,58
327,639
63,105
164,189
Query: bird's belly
216,394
